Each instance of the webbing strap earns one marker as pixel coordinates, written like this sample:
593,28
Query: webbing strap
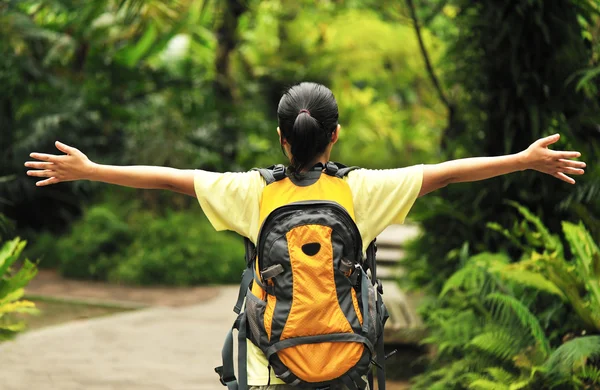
272,174
364,288
380,355
371,262
322,338
247,277
360,383
370,379
342,172
226,372
242,353
348,382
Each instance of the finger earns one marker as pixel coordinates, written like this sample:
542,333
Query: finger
65,148
52,180
549,140
566,155
43,173
572,171
571,163
45,157
563,177
38,165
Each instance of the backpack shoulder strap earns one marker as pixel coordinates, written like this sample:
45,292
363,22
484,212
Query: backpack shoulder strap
338,170
273,173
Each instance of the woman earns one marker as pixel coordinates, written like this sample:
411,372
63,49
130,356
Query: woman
308,130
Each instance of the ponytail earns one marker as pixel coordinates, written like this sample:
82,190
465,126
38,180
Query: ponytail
307,141
308,116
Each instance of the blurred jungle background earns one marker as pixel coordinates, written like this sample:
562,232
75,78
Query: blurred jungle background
510,266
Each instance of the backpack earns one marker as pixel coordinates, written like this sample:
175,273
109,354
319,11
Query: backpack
312,301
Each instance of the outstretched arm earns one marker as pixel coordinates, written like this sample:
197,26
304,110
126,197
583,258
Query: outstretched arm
74,165
537,157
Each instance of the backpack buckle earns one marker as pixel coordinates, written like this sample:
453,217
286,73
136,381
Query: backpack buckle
271,272
379,286
330,168
279,172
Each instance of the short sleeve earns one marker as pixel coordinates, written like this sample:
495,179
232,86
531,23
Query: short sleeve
383,197
231,200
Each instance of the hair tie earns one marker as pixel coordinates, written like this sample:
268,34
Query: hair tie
304,110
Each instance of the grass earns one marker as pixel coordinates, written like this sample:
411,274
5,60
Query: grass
58,311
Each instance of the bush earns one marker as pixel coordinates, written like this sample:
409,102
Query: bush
12,283
121,243
529,324
180,249
91,250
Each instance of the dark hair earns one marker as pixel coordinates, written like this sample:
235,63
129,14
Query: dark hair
308,116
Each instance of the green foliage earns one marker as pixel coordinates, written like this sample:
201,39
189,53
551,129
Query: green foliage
123,243
180,249
12,283
89,251
514,71
503,325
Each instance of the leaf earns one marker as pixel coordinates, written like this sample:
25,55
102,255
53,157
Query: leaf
499,344
132,54
572,354
504,305
581,242
14,327
530,279
7,250
19,280
12,296
500,374
19,307
485,384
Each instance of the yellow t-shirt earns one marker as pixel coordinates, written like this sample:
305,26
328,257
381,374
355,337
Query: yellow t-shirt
231,202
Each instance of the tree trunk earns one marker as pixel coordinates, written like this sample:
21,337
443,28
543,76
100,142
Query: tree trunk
224,86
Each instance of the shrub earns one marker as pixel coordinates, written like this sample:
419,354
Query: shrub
180,249
529,324
12,283
123,243
90,251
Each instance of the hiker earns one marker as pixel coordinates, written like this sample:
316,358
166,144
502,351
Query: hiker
346,208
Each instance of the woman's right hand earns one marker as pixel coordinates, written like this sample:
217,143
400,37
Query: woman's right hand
73,165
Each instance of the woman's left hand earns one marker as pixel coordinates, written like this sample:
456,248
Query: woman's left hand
559,164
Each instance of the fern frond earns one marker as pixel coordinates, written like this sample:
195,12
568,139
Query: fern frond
486,384
581,243
504,306
550,241
500,375
474,274
499,344
590,375
573,355
530,279
524,384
